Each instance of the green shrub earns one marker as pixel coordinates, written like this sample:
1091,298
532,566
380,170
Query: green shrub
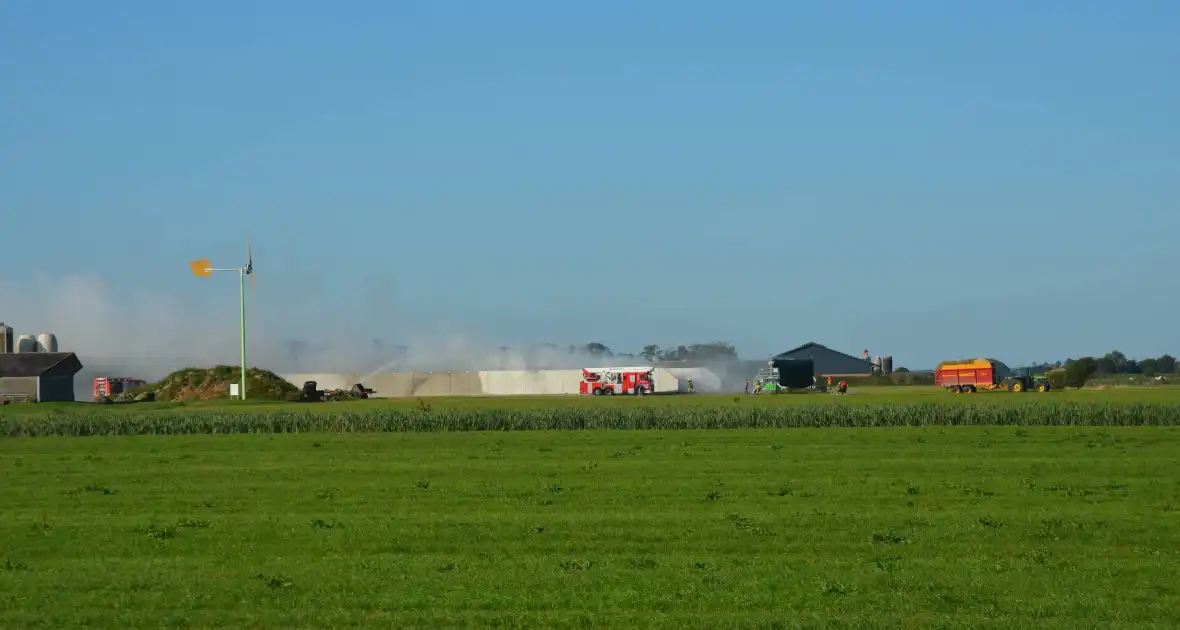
214,382
105,422
1078,372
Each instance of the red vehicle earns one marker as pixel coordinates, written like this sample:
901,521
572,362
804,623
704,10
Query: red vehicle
974,375
106,387
636,381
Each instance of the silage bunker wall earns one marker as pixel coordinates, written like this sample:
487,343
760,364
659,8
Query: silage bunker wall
485,383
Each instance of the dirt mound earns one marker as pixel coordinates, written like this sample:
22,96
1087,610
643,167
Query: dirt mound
211,383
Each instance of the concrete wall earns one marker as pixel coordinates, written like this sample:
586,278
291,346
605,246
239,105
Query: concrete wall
703,380
485,383
398,384
666,382
18,386
529,382
718,376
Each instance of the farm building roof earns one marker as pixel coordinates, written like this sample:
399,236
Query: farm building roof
811,345
26,364
827,360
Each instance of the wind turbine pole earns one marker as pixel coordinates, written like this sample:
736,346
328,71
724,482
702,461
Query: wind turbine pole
202,269
242,292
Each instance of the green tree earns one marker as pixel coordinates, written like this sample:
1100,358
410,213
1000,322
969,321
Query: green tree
1118,359
1079,371
713,351
597,349
1165,364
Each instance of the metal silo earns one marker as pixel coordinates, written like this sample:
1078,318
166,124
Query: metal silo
47,342
26,343
6,339
887,364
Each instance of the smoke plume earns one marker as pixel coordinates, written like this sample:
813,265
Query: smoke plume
118,332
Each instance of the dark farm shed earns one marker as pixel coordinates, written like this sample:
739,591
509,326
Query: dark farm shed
829,362
795,373
47,375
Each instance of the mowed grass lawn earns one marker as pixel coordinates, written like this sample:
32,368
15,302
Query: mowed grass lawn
954,528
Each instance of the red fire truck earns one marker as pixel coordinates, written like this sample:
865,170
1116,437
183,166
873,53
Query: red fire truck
636,381
106,387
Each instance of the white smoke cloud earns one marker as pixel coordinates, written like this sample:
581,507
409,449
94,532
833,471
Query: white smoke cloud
120,331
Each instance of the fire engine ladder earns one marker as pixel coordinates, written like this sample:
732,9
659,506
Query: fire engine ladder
767,375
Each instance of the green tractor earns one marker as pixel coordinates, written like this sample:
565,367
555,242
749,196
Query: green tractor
1023,380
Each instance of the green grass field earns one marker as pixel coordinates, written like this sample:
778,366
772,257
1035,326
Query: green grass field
958,528
389,514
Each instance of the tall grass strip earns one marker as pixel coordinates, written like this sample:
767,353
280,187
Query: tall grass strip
566,418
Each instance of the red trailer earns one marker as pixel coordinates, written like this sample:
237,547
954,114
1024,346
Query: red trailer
973,375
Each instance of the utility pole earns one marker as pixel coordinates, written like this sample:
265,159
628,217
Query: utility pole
203,269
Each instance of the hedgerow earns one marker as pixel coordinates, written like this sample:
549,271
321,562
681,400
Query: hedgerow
424,419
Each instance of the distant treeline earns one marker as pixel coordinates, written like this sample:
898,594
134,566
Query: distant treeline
1117,363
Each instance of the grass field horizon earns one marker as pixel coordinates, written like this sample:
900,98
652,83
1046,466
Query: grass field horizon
507,512
965,527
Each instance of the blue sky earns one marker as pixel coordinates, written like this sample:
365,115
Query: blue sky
925,179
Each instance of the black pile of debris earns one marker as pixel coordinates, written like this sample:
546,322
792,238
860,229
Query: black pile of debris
312,393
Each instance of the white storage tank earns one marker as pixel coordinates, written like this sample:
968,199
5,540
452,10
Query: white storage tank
47,342
26,343
6,339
